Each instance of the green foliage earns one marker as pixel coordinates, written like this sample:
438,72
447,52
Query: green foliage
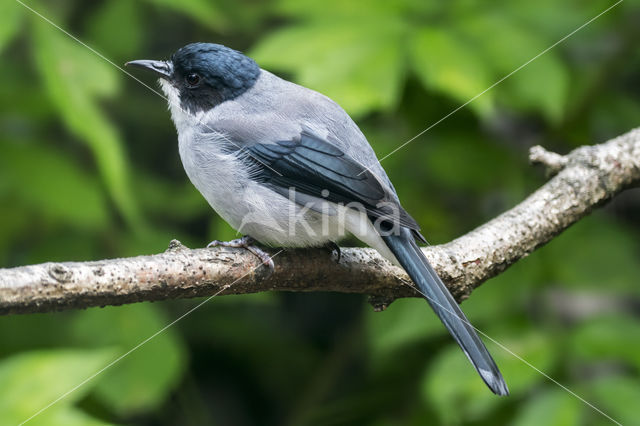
552,407
461,164
608,339
616,248
364,61
403,323
123,43
450,386
73,76
540,85
89,169
23,377
36,174
474,49
144,378
10,20
202,11
617,396
459,70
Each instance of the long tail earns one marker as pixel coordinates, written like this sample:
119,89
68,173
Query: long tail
415,263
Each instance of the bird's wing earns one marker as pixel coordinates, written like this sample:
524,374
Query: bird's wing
317,168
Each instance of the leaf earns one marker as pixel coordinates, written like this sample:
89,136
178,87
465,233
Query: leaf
13,225
354,10
10,21
543,81
65,416
21,333
169,199
460,163
552,407
403,322
36,379
143,379
257,334
556,19
593,252
447,63
609,338
53,185
73,76
455,389
153,240
613,114
202,11
360,66
124,41
618,397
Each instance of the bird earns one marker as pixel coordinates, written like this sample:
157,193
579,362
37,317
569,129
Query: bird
286,166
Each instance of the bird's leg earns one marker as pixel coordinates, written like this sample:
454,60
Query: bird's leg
248,243
331,247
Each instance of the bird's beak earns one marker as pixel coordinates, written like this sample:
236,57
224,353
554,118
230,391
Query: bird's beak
163,69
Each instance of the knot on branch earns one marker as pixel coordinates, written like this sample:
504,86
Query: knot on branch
60,273
175,245
552,162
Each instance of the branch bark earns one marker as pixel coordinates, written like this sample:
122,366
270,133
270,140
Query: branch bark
584,179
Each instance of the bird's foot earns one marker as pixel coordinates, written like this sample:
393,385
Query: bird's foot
247,243
333,247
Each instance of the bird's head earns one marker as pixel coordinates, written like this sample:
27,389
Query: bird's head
200,76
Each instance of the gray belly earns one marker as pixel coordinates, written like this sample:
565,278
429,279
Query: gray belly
275,220
250,207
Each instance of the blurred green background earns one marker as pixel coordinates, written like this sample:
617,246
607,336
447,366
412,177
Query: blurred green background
89,169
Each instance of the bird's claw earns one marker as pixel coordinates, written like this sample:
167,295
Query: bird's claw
247,243
333,247
216,243
263,256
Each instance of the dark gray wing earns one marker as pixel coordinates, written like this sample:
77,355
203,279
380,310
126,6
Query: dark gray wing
318,168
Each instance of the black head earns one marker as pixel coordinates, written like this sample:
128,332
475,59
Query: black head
205,74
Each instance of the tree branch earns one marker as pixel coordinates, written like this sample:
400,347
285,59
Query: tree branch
584,179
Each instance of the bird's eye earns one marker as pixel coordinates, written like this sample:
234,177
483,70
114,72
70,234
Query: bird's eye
192,79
